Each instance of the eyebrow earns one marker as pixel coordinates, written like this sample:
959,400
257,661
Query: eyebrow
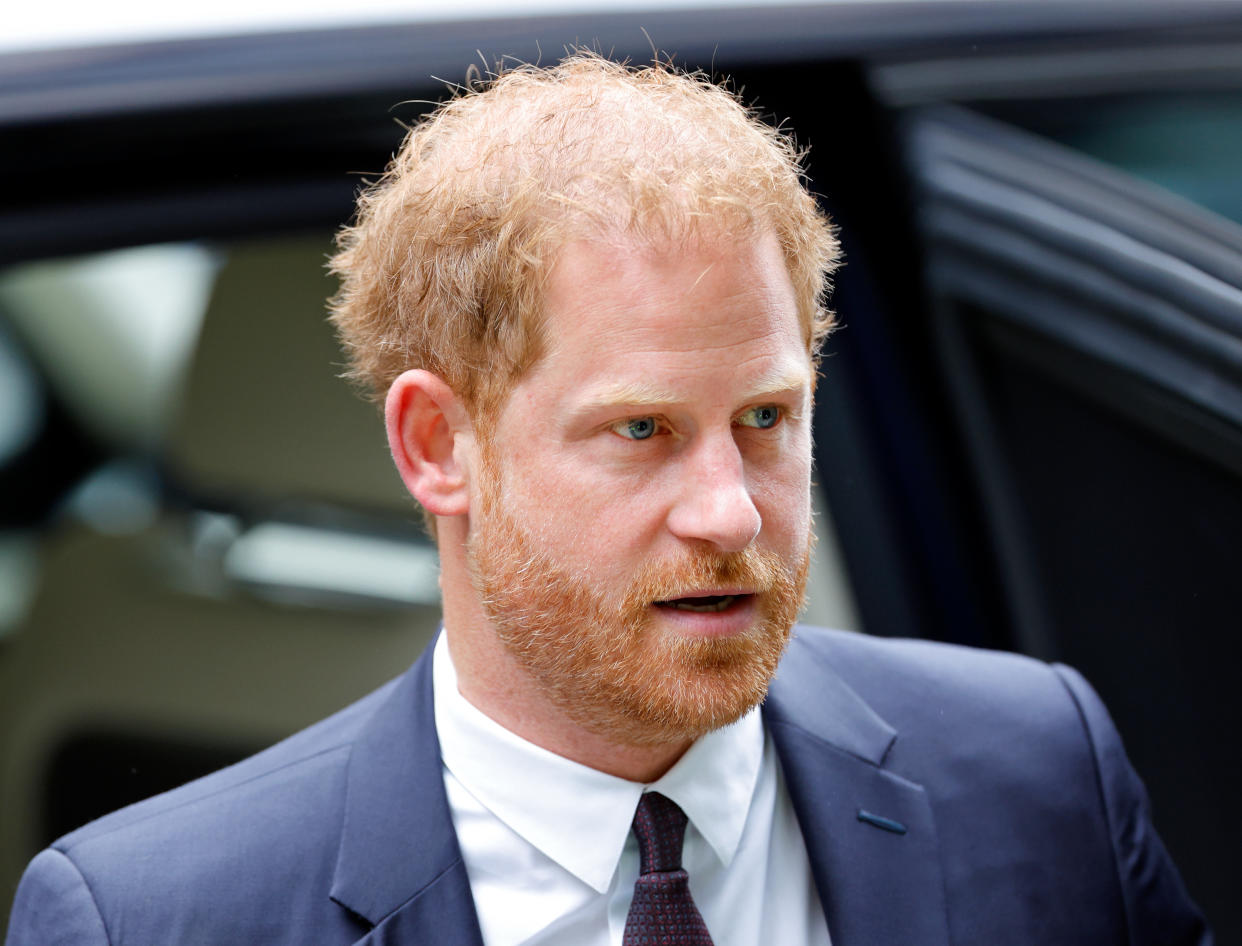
643,394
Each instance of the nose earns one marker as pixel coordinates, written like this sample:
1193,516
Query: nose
714,504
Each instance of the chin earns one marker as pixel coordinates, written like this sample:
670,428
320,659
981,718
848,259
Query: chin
684,687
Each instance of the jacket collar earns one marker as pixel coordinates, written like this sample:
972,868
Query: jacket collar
808,693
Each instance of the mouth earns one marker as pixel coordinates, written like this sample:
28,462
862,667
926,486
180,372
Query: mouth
705,604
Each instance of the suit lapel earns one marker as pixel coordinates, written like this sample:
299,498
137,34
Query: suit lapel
442,914
398,866
869,833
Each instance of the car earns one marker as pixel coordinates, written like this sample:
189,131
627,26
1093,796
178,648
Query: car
1029,425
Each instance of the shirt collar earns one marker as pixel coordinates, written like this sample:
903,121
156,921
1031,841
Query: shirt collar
578,816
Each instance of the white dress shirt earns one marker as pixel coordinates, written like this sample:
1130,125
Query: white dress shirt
552,861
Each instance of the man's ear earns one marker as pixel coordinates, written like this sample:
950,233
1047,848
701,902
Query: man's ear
424,419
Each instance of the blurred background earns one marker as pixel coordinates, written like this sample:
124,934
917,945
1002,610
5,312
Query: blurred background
1029,430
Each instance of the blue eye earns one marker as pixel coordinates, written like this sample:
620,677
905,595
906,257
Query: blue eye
762,417
637,428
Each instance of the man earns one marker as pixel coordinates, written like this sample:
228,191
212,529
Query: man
591,299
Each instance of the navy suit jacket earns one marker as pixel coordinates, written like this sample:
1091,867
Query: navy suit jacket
947,796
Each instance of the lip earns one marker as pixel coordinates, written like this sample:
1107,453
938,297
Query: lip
716,592
735,618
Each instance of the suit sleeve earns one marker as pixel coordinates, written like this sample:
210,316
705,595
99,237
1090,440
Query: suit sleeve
55,907
1159,912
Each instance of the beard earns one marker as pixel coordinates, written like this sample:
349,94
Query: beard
601,657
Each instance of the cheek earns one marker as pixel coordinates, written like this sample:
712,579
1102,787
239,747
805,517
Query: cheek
576,512
786,512
783,498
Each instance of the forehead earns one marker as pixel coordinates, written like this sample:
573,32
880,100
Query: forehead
628,313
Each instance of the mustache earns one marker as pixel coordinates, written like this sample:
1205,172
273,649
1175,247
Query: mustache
696,570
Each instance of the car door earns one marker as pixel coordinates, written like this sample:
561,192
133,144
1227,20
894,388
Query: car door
1088,330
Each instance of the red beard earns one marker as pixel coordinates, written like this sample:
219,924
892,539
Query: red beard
602,658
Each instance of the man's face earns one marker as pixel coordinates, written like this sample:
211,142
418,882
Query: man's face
640,532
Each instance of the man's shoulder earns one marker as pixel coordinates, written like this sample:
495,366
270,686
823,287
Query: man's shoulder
261,836
293,772
1012,767
935,699
886,671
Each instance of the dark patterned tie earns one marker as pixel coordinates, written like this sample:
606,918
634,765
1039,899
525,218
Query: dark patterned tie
662,911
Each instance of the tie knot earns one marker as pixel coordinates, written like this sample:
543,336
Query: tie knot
660,826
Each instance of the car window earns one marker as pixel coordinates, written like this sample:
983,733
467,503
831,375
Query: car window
115,331
1190,144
